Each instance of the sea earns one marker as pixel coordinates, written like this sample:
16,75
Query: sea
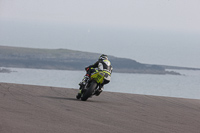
186,85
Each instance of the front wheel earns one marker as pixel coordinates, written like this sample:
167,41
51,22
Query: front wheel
89,91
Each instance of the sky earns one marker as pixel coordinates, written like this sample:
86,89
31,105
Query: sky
165,32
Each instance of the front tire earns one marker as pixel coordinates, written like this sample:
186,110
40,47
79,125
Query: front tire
89,91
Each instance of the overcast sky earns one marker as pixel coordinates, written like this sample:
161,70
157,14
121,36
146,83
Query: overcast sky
172,16
158,14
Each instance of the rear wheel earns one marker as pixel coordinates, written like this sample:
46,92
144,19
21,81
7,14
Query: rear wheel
89,91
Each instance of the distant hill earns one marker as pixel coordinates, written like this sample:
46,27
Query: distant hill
4,70
64,59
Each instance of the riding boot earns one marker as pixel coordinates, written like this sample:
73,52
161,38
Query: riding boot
78,96
82,86
98,92
85,80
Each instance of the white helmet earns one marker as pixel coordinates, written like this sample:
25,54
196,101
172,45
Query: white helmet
103,57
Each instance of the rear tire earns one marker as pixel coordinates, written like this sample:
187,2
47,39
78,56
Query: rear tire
89,91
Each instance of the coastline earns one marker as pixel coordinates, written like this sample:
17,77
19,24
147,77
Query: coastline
5,70
65,59
31,108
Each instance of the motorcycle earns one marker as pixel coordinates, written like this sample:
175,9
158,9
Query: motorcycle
92,87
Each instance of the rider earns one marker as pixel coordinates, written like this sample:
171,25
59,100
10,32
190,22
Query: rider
104,65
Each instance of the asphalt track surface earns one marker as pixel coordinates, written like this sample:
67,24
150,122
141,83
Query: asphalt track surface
40,109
